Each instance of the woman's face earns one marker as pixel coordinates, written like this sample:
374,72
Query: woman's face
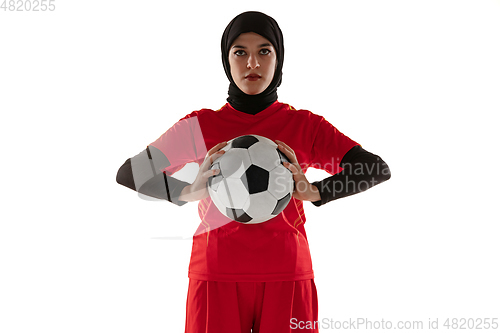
252,60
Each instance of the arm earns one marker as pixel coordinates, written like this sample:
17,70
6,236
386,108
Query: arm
361,171
150,172
143,173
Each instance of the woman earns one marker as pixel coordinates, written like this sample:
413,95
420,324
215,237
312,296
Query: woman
255,277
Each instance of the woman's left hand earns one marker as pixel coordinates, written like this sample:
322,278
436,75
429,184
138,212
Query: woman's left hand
303,189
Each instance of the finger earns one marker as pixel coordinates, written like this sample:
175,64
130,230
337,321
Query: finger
291,167
210,173
284,145
295,170
288,153
216,155
209,160
216,147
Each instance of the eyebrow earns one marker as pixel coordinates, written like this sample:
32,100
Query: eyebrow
243,47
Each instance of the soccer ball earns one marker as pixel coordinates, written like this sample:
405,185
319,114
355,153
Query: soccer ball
253,185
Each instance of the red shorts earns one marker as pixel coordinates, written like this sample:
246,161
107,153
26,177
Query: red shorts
244,307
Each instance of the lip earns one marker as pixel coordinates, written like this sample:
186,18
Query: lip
252,77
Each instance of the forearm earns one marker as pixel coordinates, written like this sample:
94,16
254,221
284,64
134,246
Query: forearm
361,171
142,173
164,187
185,194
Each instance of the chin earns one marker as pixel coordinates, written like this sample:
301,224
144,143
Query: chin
250,91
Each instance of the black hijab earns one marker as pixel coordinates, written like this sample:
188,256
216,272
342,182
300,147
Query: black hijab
267,27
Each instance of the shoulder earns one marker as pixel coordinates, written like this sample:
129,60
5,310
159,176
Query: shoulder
205,112
301,114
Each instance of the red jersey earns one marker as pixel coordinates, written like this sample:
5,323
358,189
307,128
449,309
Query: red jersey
276,250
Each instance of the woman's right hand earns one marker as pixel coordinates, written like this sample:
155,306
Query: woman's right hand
198,189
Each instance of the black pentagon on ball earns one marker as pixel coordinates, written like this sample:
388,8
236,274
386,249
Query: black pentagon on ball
238,215
281,204
255,179
244,141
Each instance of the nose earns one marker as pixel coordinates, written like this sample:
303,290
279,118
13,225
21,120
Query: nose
252,62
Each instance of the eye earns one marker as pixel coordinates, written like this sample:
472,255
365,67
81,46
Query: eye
265,51
239,52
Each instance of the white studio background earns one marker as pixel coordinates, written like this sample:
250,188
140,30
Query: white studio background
90,84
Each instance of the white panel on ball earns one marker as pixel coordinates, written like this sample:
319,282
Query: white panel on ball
227,166
280,183
264,156
261,205
232,193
